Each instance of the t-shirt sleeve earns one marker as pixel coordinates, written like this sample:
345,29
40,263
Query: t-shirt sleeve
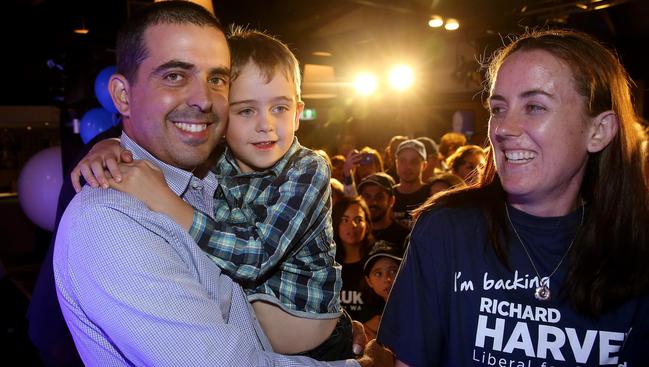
414,325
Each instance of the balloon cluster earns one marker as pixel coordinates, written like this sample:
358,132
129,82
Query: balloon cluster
100,119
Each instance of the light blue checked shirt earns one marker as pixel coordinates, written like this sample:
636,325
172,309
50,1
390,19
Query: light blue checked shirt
272,232
136,290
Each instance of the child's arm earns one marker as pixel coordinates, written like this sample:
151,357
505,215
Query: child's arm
145,181
298,211
101,163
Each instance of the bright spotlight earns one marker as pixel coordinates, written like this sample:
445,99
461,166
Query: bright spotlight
365,84
435,21
451,24
401,77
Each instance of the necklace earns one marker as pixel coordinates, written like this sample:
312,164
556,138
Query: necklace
542,292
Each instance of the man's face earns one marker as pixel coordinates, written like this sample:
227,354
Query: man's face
409,165
378,200
177,107
263,118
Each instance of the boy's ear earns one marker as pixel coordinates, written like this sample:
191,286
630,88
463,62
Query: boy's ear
603,129
119,91
298,113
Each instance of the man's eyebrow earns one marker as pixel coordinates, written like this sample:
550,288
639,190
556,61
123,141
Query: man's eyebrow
172,64
220,71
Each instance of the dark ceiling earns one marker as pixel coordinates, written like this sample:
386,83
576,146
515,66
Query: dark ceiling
45,63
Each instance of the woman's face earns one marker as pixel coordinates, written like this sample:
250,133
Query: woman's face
471,162
353,225
539,132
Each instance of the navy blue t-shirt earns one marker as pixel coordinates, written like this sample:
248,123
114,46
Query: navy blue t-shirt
454,304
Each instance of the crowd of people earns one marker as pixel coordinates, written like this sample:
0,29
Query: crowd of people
182,250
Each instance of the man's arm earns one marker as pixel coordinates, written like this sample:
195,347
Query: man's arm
136,288
249,252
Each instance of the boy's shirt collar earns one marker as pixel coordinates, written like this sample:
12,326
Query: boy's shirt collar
276,169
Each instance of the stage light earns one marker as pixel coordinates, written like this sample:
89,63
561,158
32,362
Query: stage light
365,84
435,21
401,77
451,24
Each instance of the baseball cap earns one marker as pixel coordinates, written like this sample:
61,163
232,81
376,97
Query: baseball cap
380,249
430,145
383,180
415,145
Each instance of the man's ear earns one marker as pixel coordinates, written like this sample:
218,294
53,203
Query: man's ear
603,129
119,91
298,113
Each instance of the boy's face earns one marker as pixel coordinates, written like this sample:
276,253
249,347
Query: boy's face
263,118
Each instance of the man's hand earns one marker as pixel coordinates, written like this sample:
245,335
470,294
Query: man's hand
376,356
101,163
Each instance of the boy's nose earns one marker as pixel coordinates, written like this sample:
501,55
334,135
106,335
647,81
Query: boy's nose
264,123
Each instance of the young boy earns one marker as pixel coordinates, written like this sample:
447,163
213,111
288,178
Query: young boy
272,228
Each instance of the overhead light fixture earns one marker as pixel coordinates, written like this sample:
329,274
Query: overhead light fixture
83,29
401,77
435,21
451,24
366,84
321,53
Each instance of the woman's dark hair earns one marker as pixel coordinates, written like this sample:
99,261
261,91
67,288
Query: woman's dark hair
131,48
607,264
337,214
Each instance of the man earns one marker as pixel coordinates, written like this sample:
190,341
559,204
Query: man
411,190
434,161
378,192
134,287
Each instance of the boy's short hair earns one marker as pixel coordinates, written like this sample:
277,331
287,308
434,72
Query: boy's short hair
266,52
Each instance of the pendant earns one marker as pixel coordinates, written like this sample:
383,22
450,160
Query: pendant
542,293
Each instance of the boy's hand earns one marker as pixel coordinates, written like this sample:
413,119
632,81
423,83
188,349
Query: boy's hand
101,163
146,182
376,356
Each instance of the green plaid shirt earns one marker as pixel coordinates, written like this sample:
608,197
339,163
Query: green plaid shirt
272,232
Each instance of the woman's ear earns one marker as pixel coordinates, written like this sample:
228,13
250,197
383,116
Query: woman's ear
119,91
603,129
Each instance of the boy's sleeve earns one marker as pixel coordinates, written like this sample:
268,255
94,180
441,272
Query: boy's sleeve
247,253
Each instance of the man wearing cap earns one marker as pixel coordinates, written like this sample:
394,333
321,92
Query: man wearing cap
411,191
434,160
378,192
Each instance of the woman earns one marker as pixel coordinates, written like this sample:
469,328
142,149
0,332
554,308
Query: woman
465,163
353,236
545,261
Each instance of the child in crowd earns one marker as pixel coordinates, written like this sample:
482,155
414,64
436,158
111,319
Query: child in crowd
272,229
380,269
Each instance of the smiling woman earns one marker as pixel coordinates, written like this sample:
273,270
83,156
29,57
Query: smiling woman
559,208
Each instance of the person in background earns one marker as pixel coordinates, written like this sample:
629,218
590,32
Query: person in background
449,143
337,191
544,261
434,161
411,191
378,192
358,165
353,234
389,155
444,182
337,167
380,268
467,162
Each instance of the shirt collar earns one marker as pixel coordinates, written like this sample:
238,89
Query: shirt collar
177,179
276,169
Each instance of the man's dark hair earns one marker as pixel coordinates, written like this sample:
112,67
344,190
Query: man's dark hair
131,48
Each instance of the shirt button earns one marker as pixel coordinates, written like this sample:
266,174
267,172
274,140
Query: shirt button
196,185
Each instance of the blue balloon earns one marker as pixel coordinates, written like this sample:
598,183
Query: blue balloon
94,122
101,88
